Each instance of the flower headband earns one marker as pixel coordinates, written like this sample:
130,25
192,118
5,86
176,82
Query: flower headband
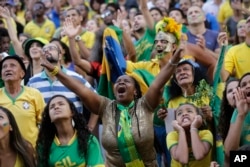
169,25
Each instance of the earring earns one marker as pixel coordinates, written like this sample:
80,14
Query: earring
73,123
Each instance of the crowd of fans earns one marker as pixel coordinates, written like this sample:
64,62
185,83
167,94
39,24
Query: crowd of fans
182,97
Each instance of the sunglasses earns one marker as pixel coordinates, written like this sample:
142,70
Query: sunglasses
107,13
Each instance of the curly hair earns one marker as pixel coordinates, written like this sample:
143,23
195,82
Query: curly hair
22,147
226,112
48,131
175,89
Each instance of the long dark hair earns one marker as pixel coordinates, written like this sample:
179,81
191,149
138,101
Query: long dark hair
226,112
48,131
175,89
22,147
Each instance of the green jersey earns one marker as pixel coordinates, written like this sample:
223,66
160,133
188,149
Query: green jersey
67,155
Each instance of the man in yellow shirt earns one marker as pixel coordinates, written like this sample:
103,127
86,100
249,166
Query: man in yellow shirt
40,26
237,59
85,39
25,103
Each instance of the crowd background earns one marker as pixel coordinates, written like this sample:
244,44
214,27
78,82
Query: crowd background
52,50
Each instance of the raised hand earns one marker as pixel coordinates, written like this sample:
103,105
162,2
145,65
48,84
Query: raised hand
179,53
241,102
162,113
70,30
4,12
207,112
176,126
222,39
45,63
120,17
197,122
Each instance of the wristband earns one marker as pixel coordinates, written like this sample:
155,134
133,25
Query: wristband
55,71
194,129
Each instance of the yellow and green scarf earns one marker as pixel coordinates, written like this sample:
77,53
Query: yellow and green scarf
125,139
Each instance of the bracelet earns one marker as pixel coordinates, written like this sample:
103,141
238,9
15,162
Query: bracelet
55,71
194,129
171,63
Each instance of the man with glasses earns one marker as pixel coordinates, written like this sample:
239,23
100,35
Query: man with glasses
48,84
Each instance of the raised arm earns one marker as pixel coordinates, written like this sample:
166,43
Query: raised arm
71,32
154,92
146,14
203,58
126,39
5,13
90,99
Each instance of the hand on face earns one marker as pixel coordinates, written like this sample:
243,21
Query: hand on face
176,126
197,122
241,102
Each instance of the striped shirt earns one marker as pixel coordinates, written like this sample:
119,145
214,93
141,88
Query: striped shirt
49,88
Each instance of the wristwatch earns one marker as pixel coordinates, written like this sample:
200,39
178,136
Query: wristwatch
78,38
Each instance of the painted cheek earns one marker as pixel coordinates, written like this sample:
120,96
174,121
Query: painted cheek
5,126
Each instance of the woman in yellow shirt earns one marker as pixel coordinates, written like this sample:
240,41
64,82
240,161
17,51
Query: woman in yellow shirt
14,150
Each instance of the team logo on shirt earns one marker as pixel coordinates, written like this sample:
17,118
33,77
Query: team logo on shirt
26,105
47,30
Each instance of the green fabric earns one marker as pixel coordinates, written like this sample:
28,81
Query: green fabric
1,83
118,32
245,130
67,155
184,28
11,51
144,45
125,139
215,105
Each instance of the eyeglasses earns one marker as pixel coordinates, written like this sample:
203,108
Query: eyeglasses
49,48
107,13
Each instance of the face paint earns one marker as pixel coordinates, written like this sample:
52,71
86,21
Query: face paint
6,126
166,42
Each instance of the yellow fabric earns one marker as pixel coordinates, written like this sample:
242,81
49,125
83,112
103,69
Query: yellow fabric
225,12
19,162
174,103
87,37
27,109
5,24
205,136
237,60
46,30
21,17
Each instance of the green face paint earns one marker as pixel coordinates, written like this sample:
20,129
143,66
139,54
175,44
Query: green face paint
5,124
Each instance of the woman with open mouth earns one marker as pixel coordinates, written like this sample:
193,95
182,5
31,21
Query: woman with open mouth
239,132
128,135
